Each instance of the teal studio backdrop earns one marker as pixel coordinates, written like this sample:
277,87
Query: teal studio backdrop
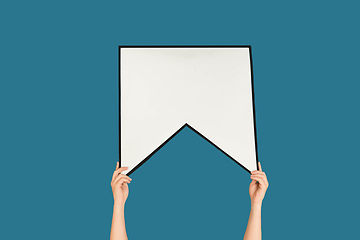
59,121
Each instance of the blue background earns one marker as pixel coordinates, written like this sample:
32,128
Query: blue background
59,121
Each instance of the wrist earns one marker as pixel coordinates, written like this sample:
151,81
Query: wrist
256,206
119,205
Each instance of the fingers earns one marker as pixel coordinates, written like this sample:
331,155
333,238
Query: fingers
121,181
253,182
258,172
121,169
260,177
117,165
117,171
121,177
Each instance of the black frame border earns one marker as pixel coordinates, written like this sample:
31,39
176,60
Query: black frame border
186,124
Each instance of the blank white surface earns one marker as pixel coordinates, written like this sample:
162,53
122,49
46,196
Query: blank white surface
164,88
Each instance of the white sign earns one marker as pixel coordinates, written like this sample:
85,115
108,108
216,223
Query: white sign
209,89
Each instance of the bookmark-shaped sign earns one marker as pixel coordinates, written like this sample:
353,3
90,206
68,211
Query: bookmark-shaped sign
164,89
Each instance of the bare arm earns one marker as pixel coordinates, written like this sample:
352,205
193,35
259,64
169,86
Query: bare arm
118,230
119,185
257,190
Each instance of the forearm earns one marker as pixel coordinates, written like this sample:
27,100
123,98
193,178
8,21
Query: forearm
118,230
253,230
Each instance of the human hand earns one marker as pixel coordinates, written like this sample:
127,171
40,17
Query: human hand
119,185
258,186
